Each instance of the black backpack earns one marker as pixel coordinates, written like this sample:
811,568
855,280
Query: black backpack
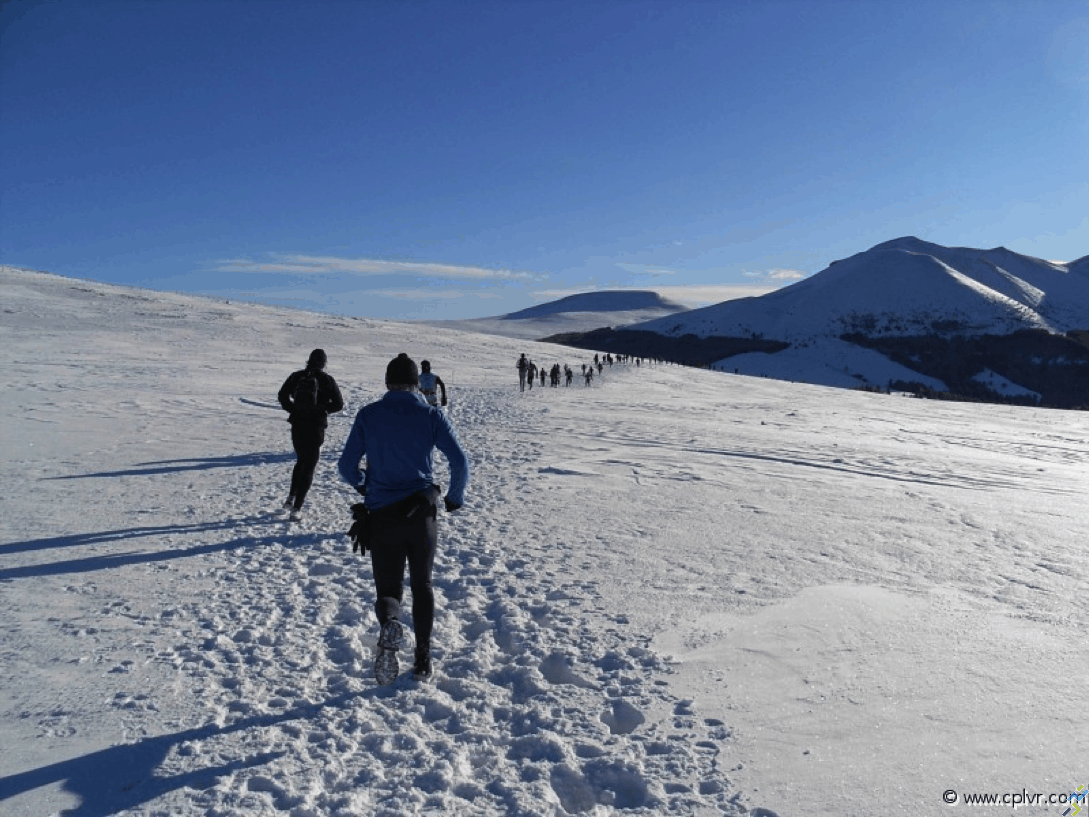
304,399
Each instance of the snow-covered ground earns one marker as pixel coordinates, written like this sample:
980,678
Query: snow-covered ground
673,592
1001,385
826,362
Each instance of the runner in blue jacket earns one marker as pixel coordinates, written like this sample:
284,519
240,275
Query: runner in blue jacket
398,434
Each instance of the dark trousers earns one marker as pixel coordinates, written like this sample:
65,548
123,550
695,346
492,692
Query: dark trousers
307,441
393,543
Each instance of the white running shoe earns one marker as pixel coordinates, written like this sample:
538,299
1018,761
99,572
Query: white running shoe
386,667
295,515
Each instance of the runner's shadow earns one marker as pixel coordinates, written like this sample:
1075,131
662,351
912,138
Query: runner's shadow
144,469
77,539
124,777
115,560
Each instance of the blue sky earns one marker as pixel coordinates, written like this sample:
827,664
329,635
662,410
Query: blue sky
464,159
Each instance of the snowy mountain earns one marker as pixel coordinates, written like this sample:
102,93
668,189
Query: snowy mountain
624,301
671,592
906,287
575,313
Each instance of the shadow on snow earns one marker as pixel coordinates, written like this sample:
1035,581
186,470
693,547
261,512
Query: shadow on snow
75,539
115,560
144,469
124,777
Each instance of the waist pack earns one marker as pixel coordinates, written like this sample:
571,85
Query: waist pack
420,505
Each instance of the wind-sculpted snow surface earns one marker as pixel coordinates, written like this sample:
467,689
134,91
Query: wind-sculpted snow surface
544,701
670,592
235,661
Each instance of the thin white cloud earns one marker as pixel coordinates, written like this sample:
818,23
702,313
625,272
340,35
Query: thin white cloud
785,275
643,269
328,265
776,275
414,294
423,294
761,275
331,299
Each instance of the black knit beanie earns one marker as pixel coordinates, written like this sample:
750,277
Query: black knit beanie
402,371
317,359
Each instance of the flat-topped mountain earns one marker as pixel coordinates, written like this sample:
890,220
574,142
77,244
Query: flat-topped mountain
625,301
574,313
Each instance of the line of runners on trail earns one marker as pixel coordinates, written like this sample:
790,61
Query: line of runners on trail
387,458
310,395
529,372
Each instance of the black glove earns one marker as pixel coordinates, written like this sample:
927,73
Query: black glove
359,533
355,533
450,506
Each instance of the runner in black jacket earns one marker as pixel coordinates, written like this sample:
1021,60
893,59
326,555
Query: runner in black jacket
308,425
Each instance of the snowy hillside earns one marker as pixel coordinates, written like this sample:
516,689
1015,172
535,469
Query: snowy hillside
906,287
674,592
575,313
827,362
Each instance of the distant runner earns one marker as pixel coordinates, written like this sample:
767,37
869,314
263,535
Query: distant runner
523,372
428,382
308,396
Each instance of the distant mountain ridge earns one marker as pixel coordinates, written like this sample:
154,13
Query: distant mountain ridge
905,287
575,313
607,301
947,322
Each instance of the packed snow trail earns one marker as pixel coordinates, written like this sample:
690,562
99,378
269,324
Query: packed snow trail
517,671
536,707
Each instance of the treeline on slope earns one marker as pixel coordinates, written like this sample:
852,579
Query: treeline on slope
687,350
1054,366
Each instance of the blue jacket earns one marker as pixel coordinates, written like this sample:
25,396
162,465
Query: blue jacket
397,435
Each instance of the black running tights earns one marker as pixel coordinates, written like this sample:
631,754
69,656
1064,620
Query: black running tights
307,441
392,545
